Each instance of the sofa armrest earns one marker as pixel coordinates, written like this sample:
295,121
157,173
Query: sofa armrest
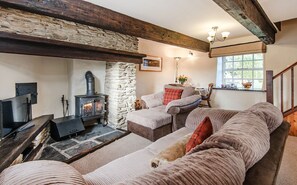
183,105
266,170
152,100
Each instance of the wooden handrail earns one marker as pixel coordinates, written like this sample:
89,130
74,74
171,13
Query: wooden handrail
285,70
269,88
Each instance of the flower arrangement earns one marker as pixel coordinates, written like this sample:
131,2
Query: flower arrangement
247,85
182,79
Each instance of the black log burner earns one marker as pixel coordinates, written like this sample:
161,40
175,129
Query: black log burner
92,105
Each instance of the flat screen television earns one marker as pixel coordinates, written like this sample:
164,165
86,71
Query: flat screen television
14,113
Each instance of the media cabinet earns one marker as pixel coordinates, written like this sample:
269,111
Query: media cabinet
15,145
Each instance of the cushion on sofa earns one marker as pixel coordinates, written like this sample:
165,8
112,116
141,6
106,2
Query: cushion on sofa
203,131
40,173
129,166
159,145
269,113
218,117
171,94
153,100
151,118
246,133
188,91
209,167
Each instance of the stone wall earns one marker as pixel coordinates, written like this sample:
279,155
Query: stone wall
120,81
25,23
120,85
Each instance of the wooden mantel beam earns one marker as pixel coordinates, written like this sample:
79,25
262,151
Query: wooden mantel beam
89,14
28,45
251,15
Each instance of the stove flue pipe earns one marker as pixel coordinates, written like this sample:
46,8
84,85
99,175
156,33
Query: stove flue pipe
90,83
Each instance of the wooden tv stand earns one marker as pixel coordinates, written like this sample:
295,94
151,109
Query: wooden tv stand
12,146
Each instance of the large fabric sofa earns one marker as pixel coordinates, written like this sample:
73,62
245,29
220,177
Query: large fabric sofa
246,148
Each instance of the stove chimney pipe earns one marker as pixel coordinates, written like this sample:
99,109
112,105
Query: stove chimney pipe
90,83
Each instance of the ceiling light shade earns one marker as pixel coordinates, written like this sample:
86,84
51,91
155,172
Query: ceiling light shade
210,39
212,35
225,34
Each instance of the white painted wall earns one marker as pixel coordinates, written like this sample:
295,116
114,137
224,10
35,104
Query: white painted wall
49,73
54,76
279,56
201,70
76,78
196,68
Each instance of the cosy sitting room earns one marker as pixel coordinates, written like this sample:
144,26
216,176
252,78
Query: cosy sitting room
100,92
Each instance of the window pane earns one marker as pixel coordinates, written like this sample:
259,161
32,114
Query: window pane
258,84
238,83
237,74
228,74
248,57
258,74
258,64
258,56
243,68
248,74
248,64
228,81
238,58
228,65
237,65
229,58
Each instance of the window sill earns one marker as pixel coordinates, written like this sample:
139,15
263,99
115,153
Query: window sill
246,90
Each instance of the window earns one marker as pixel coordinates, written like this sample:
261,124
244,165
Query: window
234,70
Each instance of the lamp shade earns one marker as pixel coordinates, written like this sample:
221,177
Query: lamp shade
225,34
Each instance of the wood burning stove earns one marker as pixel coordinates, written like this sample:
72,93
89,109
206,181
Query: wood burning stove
91,106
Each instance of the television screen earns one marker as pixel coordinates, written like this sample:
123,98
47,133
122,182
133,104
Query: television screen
15,112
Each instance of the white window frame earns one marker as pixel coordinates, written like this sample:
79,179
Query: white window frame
221,70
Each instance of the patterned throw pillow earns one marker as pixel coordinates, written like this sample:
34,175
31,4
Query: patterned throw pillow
202,132
171,94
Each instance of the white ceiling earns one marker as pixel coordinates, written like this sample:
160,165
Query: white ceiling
195,17
279,10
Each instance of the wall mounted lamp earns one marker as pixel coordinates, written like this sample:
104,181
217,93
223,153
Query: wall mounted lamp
177,59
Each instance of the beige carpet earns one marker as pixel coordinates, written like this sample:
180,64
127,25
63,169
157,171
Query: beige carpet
288,170
287,174
119,148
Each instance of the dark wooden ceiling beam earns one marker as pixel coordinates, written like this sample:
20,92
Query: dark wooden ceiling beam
89,14
251,15
21,44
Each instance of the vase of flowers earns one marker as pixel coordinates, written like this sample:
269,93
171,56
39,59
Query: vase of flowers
182,79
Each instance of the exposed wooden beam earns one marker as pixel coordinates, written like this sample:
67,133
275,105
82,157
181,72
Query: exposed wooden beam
21,44
278,25
251,15
86,13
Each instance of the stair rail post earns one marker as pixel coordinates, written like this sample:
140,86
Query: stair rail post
269,86
292,89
